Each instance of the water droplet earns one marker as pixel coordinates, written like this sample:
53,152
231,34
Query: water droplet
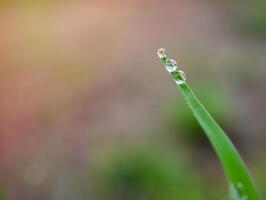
236,191
173,62
182,78
171,65
161,53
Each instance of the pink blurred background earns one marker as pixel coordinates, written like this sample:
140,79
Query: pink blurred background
81,79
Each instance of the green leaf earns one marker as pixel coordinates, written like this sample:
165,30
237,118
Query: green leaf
241,186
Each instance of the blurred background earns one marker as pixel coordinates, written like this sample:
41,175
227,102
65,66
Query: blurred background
88,112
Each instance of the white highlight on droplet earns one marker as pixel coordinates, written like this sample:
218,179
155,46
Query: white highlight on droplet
161,53
183,78
171,65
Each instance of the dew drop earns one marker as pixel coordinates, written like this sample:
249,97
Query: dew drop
161,53
171,65
182,79
236,191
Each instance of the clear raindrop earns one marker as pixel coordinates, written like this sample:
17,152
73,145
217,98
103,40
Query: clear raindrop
171,65
161,53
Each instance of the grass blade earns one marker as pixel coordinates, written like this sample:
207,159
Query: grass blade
241,186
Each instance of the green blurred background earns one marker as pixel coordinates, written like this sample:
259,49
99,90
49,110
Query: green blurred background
88,112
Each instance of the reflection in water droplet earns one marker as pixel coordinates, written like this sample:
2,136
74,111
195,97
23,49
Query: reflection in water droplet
173,62
171,65
161,53
182,79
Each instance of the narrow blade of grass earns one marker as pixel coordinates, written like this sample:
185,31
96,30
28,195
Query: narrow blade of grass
241,186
